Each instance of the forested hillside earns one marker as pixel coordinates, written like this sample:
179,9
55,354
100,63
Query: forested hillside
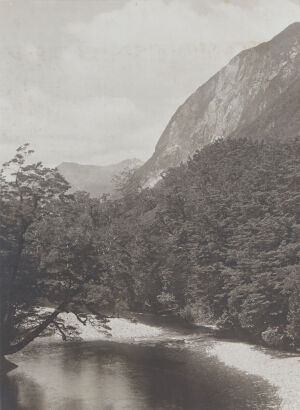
215,241
218,240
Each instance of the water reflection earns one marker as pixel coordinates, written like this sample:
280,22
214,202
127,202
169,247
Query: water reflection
13,396
111,376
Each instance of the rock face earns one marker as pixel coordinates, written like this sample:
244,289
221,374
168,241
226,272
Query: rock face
96,180
256,95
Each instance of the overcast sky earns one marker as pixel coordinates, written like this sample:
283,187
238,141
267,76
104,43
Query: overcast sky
96,81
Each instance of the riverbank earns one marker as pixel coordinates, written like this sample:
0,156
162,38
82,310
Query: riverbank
281,370
120,329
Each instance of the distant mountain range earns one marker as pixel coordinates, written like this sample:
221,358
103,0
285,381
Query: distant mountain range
96,180
257,95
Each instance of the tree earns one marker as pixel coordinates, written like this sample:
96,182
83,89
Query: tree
47,252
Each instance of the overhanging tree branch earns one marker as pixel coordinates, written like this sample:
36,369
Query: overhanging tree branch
36,331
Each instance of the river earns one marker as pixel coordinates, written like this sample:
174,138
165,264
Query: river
155,364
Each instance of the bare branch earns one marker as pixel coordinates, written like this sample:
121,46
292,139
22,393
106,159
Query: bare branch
83,321
63,335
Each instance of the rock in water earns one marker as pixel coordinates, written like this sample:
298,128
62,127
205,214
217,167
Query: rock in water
6,366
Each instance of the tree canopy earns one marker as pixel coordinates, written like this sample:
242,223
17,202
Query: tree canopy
50,253
218,240
215,241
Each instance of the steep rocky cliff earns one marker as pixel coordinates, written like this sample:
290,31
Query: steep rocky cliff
256,95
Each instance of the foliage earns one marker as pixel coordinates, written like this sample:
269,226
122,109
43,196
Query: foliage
49,252
216,240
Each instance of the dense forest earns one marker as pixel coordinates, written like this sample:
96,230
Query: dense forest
215,241
218,240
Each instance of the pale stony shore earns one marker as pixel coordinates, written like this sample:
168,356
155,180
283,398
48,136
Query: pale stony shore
121,330
282,371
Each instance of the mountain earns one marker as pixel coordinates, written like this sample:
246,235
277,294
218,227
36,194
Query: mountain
256,95
96,180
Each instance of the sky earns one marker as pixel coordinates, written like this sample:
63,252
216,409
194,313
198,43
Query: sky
96,81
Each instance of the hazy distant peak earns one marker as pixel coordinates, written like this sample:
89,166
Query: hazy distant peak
133,162
95,179
130,161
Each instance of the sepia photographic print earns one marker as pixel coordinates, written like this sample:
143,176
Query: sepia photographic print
149,204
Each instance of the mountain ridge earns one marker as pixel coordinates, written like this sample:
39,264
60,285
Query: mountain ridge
244,97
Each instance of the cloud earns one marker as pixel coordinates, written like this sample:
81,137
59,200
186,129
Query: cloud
96,128
100,86
147,46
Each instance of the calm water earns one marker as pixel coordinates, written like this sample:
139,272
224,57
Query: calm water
152,375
